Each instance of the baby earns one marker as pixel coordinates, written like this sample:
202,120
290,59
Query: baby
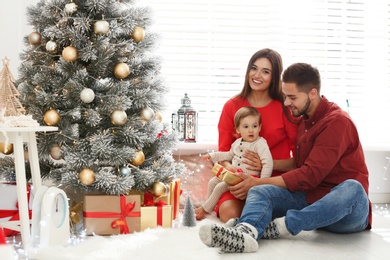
247,122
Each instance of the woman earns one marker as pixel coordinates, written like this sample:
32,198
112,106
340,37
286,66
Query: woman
262,90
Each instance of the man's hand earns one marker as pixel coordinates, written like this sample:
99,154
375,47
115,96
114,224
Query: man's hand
241,189
252,161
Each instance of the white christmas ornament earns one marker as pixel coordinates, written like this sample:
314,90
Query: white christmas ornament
87,95
51,47
101,27
147,114
118,117
70,8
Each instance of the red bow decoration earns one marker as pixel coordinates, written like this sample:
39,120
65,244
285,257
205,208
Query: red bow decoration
159,135
159,204
14,214
126,211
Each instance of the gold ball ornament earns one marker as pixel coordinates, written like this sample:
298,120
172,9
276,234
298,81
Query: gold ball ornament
118,117
70,54
159,189
101,27
87,95
51,117
70,8
6,149
159,117
56,152
121,70
147,114
35,38
138,159
86,176
51,47
138,34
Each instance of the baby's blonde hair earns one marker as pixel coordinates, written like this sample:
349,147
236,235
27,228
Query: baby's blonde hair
244,112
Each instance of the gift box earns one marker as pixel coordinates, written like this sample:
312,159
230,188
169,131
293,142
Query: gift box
158,215
9,205
111,215
225,175
173,198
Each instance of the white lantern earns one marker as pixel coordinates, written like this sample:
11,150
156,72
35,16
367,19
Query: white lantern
185,122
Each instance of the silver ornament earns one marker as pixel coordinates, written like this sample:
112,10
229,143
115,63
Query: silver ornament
125,171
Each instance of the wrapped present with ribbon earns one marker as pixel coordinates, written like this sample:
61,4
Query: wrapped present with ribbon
168,193
173,197
9,210
111,215
155,214
225,175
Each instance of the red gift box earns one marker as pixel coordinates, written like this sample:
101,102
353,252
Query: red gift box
9,207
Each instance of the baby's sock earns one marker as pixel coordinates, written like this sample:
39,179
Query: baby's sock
238,239
231,222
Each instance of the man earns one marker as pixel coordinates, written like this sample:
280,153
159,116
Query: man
325,185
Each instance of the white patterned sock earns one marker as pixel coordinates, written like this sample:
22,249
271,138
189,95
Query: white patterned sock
238,239
231,222
275,229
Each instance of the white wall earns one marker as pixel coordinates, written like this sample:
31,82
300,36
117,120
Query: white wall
14,28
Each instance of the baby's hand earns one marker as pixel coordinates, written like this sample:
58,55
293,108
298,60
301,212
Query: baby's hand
205,157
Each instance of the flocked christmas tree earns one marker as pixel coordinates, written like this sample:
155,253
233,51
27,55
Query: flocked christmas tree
89,68
189,218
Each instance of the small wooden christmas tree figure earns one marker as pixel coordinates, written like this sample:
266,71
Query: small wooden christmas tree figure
189,219
8,92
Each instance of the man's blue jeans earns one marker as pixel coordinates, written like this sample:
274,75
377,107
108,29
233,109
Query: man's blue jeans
343,210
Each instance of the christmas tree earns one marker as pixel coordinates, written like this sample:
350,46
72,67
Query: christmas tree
8,92
189,218
88,67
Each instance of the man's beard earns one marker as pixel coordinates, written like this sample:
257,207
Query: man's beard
303,111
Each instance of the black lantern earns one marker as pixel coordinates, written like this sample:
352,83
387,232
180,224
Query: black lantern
185,122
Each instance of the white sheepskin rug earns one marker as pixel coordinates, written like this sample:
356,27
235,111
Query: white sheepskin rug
157,243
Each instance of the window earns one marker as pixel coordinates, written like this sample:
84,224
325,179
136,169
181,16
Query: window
205,46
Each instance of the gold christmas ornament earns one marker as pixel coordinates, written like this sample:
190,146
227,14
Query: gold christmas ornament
87,95
159,189
51,117
139,158
70,8
70,54
6,149
138,34
101,27
159,117
56,152
147,114
121,70
86,176
35,38
51,47
118,117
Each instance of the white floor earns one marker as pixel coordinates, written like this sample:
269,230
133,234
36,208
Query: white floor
183,243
